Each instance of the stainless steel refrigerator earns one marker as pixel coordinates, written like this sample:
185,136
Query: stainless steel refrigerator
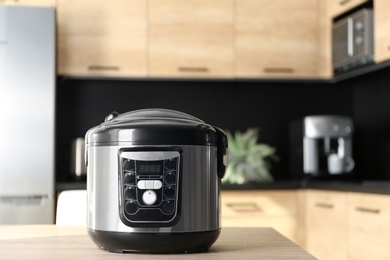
27,110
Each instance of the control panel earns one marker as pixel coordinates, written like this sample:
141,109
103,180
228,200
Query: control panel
148,185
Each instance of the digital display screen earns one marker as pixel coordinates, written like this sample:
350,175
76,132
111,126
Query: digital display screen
149,167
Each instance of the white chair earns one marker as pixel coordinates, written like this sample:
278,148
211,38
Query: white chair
72,208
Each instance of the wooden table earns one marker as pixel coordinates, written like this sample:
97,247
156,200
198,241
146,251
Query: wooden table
56,242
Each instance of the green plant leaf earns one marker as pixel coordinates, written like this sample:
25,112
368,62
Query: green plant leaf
248,159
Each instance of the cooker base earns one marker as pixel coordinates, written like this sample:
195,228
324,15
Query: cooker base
122,242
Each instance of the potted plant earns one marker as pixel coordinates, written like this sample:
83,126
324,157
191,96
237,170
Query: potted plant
248,159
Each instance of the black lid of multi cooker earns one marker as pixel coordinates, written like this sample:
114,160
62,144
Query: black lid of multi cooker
152,127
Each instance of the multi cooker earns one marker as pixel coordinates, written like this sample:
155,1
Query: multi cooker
153,182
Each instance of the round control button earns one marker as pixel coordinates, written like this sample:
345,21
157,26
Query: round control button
129,178
169,192
359,40
170,164
168,206
348,129
131,207
128,165
130,193
359,26
170,178
149,197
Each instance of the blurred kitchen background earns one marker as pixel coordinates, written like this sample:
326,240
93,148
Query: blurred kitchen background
236,64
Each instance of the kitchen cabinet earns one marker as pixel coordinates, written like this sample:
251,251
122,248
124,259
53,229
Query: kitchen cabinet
276,39
338,7
29,2
192,38
381,30
325,45
368,226
101,38
325,222
261,208
346,225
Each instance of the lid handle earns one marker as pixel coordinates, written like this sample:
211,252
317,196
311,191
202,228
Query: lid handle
111,116
222,145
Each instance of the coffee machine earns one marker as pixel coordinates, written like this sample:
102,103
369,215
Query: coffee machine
322,146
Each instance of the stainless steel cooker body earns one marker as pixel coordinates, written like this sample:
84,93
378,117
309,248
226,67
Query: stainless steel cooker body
199,189
160,198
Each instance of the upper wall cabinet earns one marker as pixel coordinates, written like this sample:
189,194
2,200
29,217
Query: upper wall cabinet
325,45
277,38
338,7
101,38
191,38
382,30
29,2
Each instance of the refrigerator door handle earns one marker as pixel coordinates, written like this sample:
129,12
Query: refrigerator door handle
24,200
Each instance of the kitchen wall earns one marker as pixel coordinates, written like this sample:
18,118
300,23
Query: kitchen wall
236,105
372,118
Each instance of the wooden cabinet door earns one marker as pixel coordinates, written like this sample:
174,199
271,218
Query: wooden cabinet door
249,208
325,46
101,38
326,224
191,38
369,226
277,38
338,7
381,30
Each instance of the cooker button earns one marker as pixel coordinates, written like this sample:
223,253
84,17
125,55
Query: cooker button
171,164
130,193
157,185
149,197
168,206
128,165
131,207
141,185
149,185
129,178
169,192
170,178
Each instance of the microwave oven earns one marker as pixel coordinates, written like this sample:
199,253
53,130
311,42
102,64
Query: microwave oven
352,41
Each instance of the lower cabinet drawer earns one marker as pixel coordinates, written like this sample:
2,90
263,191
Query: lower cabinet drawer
276,209
325,222
368,226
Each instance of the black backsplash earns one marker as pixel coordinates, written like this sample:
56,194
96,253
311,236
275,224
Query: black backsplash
236,105
372,123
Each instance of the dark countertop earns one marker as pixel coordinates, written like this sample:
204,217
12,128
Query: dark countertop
366,186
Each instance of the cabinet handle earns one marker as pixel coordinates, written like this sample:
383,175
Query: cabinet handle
324,205
343,2
97,67
368,210
244,207
278,70
193,69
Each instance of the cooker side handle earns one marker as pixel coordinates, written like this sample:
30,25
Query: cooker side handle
222,145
